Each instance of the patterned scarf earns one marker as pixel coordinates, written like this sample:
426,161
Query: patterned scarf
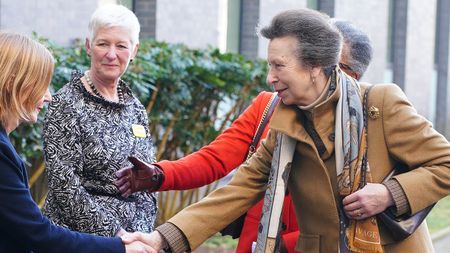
350,143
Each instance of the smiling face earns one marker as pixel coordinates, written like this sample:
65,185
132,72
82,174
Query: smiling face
47,98
110,51
27,69
292,80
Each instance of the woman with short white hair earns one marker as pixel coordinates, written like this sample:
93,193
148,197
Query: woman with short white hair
93,124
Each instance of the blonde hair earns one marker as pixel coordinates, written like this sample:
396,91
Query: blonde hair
26,71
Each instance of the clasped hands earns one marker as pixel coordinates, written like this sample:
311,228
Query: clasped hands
367,202
138,177
139,242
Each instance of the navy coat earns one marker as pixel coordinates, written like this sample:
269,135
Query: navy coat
23,228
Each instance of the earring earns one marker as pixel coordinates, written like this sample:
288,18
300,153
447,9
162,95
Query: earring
312,77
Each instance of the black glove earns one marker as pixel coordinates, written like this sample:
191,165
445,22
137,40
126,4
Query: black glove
138,177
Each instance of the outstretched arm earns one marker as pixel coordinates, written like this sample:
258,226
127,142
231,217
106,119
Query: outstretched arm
221,156
203,219
210,163
24,226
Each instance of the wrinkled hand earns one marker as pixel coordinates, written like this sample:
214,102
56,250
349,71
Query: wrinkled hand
154,239
121,232
139,247
134,246
368,201
138,177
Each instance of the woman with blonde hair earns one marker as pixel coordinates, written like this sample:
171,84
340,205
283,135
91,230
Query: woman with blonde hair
27,69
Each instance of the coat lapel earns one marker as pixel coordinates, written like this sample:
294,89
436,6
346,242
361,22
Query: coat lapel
287,119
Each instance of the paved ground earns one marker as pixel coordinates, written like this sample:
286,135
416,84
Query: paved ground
204,249
443,246
441,241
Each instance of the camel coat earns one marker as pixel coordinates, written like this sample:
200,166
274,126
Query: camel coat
398,134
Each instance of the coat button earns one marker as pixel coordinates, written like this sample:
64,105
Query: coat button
331,137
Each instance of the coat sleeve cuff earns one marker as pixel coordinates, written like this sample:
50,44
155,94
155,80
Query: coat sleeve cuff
399,196
167,168
174,237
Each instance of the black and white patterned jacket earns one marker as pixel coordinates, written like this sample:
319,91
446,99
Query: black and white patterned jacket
86,140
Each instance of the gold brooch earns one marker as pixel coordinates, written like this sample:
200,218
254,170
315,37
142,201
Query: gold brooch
374,112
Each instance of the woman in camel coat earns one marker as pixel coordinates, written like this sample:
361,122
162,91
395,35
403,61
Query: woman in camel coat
322,111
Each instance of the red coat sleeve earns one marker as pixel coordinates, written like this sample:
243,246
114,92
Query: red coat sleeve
221,156
290,239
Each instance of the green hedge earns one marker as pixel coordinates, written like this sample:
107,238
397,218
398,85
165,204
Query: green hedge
190,95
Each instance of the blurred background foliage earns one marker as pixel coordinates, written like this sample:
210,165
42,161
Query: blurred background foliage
190,95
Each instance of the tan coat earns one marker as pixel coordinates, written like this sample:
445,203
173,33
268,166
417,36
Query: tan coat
398,134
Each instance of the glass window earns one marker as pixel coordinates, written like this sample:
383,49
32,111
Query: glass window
127,3
233,27
313,4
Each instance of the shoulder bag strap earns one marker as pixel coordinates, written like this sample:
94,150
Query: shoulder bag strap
270,107
366,126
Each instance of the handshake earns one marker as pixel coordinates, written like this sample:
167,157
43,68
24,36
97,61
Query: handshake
138,242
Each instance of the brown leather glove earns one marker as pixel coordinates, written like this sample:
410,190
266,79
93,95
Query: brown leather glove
138,177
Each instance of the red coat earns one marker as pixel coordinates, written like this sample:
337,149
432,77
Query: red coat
221,156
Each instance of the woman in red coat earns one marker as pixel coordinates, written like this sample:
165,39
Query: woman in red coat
215,161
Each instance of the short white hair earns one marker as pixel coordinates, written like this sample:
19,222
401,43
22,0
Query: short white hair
113,15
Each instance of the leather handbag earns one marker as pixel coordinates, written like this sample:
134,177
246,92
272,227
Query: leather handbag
234,229
403,226
399,227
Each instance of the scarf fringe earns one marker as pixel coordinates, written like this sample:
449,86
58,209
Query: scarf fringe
364,236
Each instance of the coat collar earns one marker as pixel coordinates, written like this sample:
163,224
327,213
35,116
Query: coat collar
287,119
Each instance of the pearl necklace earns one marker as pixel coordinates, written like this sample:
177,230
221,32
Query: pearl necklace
97,93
